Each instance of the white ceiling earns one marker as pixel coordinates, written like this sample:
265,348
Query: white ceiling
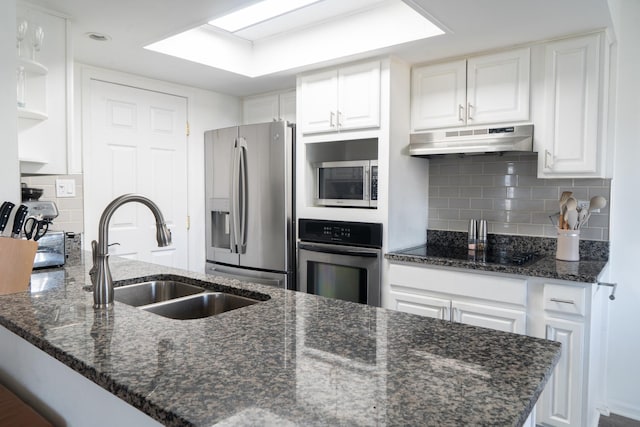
473,25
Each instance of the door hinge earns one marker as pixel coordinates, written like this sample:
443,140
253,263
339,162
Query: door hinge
188,129
188,222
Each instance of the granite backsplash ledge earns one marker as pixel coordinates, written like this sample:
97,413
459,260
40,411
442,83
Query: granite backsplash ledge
596,250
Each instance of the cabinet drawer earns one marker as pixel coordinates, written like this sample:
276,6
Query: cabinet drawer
565,299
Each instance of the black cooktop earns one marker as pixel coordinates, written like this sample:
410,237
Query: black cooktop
492,256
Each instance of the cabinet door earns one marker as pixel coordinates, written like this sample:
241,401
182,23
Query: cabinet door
359,96
438,96
408,302
288,106
570,142
560,403
318,102
260,109
488,316
43,123
498,87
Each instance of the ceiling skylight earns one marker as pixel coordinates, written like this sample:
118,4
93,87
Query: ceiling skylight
258,12
322,31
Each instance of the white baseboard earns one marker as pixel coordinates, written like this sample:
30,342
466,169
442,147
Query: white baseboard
624,409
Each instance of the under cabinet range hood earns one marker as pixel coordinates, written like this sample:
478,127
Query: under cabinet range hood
472,141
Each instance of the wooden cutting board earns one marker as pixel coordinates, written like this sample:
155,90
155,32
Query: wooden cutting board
16,263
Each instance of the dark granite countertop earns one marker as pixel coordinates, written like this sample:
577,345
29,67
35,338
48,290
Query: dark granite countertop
447,249
295,359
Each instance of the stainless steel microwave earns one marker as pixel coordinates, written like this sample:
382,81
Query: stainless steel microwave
347,183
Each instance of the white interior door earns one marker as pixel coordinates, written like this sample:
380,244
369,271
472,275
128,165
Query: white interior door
137,144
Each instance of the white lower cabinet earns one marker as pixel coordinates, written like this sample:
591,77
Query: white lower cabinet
466,298
571,313
560,403
487,315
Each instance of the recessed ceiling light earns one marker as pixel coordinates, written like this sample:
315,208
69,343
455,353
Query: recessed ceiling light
258,12
99,37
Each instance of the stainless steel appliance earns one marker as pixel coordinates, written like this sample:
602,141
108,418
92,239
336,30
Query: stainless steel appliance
51,246
250,203
340,259
347,183
472,140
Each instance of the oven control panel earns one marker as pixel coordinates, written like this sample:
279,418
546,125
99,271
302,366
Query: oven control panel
341,232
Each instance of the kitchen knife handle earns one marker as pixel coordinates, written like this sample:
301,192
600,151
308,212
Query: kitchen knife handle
5,212
18,220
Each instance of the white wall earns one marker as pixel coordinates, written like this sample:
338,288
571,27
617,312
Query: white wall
623,375
9,165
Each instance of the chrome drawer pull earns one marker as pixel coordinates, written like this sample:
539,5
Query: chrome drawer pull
562,301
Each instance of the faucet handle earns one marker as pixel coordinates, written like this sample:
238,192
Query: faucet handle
94,267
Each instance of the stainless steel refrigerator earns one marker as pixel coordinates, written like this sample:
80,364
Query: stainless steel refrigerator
250,219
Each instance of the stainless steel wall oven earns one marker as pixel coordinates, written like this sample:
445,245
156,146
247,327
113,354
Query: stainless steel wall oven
340,259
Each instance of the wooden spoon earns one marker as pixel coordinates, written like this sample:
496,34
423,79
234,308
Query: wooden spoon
563,201
570,210
596,203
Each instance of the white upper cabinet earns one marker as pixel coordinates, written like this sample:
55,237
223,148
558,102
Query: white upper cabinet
571,140
269,107
479,90
439,95
346,98
43,112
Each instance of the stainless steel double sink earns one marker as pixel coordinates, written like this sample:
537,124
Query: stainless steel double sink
178,300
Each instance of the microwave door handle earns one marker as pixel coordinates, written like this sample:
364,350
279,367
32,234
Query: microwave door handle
336,251
318,183
244,198
366,184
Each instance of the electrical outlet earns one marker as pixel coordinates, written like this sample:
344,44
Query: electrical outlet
583,204
65,188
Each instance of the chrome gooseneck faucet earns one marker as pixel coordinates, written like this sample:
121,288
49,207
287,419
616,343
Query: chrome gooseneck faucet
100,273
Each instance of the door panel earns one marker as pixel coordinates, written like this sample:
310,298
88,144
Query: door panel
137,144
488,316
269,207
414,303
219,158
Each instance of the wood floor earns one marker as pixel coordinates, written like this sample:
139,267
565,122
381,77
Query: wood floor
617,421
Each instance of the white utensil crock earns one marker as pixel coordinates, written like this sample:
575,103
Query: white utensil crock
568,245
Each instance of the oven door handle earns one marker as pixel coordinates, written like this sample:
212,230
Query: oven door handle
349,252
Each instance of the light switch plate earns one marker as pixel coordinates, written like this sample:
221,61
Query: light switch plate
65,188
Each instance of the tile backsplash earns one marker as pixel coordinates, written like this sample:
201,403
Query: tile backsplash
506,192
71,213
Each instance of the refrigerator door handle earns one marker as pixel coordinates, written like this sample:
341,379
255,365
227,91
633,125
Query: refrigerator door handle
235,171
244,196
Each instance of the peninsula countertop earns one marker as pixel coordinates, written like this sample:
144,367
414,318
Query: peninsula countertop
295,359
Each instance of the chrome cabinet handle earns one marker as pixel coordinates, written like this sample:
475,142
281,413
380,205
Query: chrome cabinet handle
339,121
469,106
562,301
547,156
331,115
460,111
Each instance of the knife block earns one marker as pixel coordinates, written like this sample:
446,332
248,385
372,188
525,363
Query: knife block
16,264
